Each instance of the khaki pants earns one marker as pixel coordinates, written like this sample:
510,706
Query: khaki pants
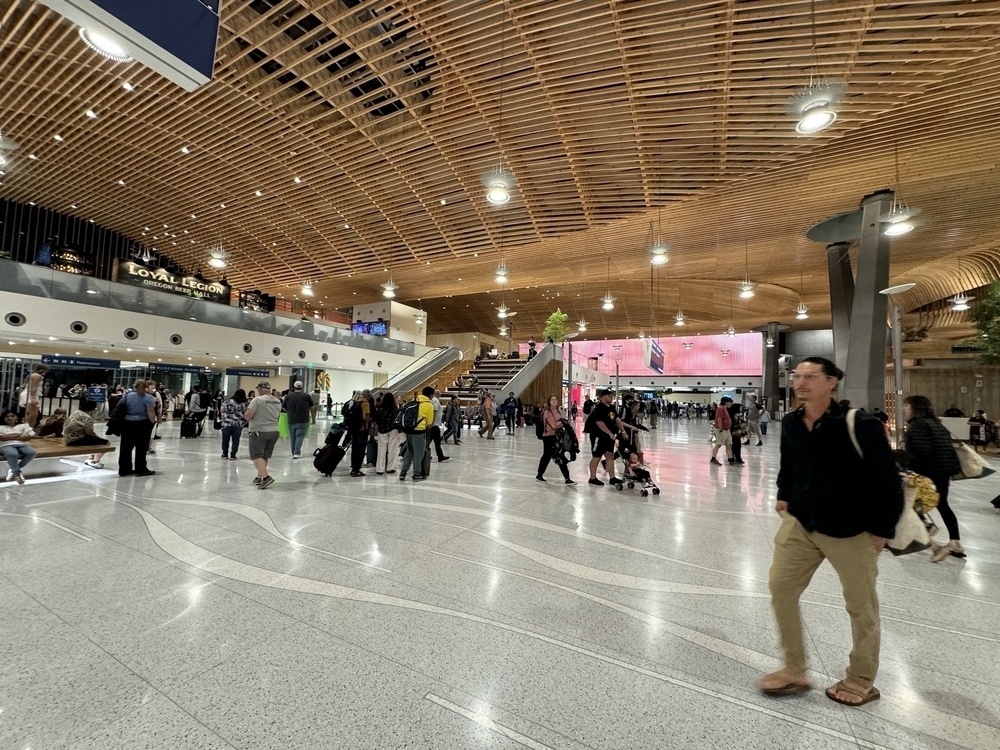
797,555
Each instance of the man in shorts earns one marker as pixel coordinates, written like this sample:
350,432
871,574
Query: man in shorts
262,414
604,428
721,426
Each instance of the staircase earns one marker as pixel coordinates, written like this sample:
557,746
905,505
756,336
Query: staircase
493,374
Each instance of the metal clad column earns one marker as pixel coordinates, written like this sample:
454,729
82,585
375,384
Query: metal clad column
864,382
838,263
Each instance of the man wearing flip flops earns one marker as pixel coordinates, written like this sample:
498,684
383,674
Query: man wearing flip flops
837,503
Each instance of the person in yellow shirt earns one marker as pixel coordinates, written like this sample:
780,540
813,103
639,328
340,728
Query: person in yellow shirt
416,437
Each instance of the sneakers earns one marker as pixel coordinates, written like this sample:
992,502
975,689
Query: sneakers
266,482
715,461
296,455
256,481
357,473
419,477
539,479
570,481
19,478
94,464
402,476
595,482
443,458
232,458
10,475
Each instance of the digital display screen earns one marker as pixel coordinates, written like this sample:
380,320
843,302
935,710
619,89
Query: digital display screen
378,328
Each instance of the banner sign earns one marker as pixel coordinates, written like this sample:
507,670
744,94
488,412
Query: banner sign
160,367
244,372
150,277
93,364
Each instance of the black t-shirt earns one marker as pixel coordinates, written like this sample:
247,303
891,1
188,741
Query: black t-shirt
603,413
297,405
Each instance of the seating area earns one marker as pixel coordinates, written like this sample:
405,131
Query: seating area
55,448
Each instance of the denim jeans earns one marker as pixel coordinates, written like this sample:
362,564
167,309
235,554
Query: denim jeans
231,440
18,456
297,433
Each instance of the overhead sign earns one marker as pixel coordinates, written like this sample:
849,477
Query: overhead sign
93,364
160,367
151,277
246,373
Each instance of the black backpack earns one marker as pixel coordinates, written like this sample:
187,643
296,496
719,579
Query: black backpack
409,417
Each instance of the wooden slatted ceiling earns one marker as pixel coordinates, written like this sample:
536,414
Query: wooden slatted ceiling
615,113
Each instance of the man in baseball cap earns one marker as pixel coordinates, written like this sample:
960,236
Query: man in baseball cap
262,415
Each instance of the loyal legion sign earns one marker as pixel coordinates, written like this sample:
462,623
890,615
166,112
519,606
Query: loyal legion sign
136,274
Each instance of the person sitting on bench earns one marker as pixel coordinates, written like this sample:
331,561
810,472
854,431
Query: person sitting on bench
79,430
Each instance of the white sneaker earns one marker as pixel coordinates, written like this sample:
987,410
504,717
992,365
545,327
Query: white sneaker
296,455
10,475
94,464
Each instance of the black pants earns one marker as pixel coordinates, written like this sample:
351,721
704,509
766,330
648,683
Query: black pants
359,444
737,448
135,438
548,449
199,418
947,514
435,435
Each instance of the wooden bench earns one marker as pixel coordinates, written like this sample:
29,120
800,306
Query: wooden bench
53,447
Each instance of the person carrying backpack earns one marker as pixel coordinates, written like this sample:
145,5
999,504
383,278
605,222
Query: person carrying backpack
550,422
414,420
929,444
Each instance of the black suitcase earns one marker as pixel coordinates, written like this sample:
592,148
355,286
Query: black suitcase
189,427
425,465
327,459
179,413
371,451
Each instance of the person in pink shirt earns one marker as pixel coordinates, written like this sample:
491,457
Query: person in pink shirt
721,425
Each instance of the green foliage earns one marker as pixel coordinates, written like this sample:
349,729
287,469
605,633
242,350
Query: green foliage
556,326
985,315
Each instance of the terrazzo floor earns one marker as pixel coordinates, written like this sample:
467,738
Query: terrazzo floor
478,609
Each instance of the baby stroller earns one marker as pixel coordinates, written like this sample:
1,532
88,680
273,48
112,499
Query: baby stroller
633,472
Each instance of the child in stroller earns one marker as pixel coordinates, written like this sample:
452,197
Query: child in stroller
635,472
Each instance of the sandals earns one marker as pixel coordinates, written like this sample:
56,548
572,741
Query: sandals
779,684
842,687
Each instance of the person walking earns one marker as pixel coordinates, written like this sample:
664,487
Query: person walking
233,411
721,426
654,414
298,406
736,430
13,447
416,436
838,501
509,408
137,427
604,427
262,419
453,421
551,420
753,422
931,454
387,458
489,413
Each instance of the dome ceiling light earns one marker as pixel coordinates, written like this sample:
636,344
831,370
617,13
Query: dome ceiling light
607,301
502,274
801,312
581,325
218,257
813,105
101,43
960,302
389,289
746,288
500,181
679,319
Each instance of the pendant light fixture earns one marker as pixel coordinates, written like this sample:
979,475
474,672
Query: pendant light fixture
500,181
813,104
679,319
101,43
502,275
657,247
607,301
899,215
420,315
389,289
731,331
801,312
218,258
960,302
746,288
770,343
6,147
581,324
307,290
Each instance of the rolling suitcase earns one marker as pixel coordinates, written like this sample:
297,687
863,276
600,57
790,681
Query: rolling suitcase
189,427
371,452
179,413
327,459
425,465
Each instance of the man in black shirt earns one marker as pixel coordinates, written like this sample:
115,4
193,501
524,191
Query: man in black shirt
604,426
298,405
839,501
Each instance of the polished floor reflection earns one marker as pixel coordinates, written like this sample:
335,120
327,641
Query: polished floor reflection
478,609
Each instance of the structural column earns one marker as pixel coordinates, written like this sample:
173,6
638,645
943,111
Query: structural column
838,262
771,390
864,382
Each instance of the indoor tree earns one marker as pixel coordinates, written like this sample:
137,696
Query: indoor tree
985,315
556,326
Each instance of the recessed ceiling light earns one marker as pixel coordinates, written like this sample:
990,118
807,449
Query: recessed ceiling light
128,350
298,180
193,216
222,205
121,182
32,157
91,114
31,203
91,291
258,194
91,221
58,138
444,202
53,338
128,86
185,150
72,205
347,226
107,351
